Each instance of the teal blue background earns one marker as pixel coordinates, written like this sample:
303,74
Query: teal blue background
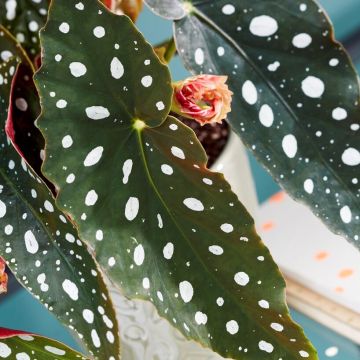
19,310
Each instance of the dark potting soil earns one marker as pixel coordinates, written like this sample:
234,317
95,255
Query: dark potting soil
213,137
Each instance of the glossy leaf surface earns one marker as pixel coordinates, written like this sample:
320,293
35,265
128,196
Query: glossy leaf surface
163,226
18,345
42,248
296,103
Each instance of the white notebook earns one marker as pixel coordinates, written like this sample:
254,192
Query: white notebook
322,269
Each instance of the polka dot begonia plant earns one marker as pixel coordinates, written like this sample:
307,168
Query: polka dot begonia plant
42,248
296,103
124,186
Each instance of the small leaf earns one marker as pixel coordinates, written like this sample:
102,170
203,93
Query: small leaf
163,226
296,102
43,250
19,345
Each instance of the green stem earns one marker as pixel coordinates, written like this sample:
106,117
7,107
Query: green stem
170,50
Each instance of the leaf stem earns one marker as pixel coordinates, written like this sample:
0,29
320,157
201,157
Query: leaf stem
170,50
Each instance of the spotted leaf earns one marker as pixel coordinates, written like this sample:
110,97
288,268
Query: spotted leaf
42,248
24,18
19,345
296,102
164,227
10,47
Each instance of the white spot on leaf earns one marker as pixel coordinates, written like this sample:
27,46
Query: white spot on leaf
201,318
77,69
227,228
232,327
266,115
116,68
94,156
265,346
127,167
216,250
99,32
199,56
31,243
351,157
241,278
132,208
91,198
177,152
186,291
346,214
289,145
339,114
263,26
249,92
71,289
302,40
139,255
194,204
309,186
313,87
97,112
168,251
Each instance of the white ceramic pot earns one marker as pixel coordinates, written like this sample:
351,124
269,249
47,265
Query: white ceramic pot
146,336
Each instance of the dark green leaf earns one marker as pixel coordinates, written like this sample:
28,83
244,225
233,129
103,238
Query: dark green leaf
10,47
24,18
135,181
42,249
18,345
296,102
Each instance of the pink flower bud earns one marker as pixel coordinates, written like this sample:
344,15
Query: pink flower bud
3,277
204,98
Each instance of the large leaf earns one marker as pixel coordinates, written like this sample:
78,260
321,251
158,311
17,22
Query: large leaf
43,250
19,345
135,181
296,102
